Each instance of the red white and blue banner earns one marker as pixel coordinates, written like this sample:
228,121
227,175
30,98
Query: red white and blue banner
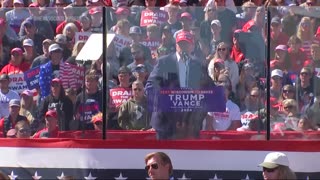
123,159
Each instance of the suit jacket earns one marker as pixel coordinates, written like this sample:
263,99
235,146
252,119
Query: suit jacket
166,75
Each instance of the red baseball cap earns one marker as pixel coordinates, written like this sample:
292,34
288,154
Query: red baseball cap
95,10
122,10
34,5
56,80
186,15
184,36
17,50
52,113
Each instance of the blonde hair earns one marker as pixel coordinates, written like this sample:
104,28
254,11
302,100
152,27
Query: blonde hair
20,124
72,26
247,4
284,172
76,49
216,55
299,31
290,102
99,115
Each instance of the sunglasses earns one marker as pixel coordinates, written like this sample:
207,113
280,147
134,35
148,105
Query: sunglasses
305,24
153,166
276,78
269,170
254,96
221,49
304,74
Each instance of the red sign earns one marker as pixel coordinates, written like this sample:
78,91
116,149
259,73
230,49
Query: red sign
153,17
118,96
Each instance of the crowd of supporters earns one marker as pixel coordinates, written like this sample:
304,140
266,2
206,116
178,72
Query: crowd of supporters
45,89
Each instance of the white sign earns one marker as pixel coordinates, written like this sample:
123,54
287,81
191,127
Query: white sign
120,42
82,36
17,83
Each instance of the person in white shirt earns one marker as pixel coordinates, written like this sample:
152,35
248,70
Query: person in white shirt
6,95
228,120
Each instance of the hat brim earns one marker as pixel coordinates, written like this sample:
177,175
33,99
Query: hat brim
268,165
187,40
27,45
17,105
55,49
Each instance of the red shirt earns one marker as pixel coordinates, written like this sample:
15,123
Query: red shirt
13,69
237,55
296,59
248,26
53,134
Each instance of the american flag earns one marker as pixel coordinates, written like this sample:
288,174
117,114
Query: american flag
124,159
45,77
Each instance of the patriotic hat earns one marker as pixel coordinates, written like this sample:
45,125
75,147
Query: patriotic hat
184,36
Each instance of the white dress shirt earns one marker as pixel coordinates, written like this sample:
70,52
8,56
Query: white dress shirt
182,68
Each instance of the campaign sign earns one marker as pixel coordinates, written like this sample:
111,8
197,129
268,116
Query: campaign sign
190,100
88,109
118,96
78,73
246,118
153,17
82,36
32,78
120,42
17,83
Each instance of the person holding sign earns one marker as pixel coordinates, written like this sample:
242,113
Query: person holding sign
178,70
231,118
133,114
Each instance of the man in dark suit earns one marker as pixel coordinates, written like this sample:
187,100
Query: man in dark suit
178,70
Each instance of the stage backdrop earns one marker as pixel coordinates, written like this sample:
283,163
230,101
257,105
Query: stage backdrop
116,159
